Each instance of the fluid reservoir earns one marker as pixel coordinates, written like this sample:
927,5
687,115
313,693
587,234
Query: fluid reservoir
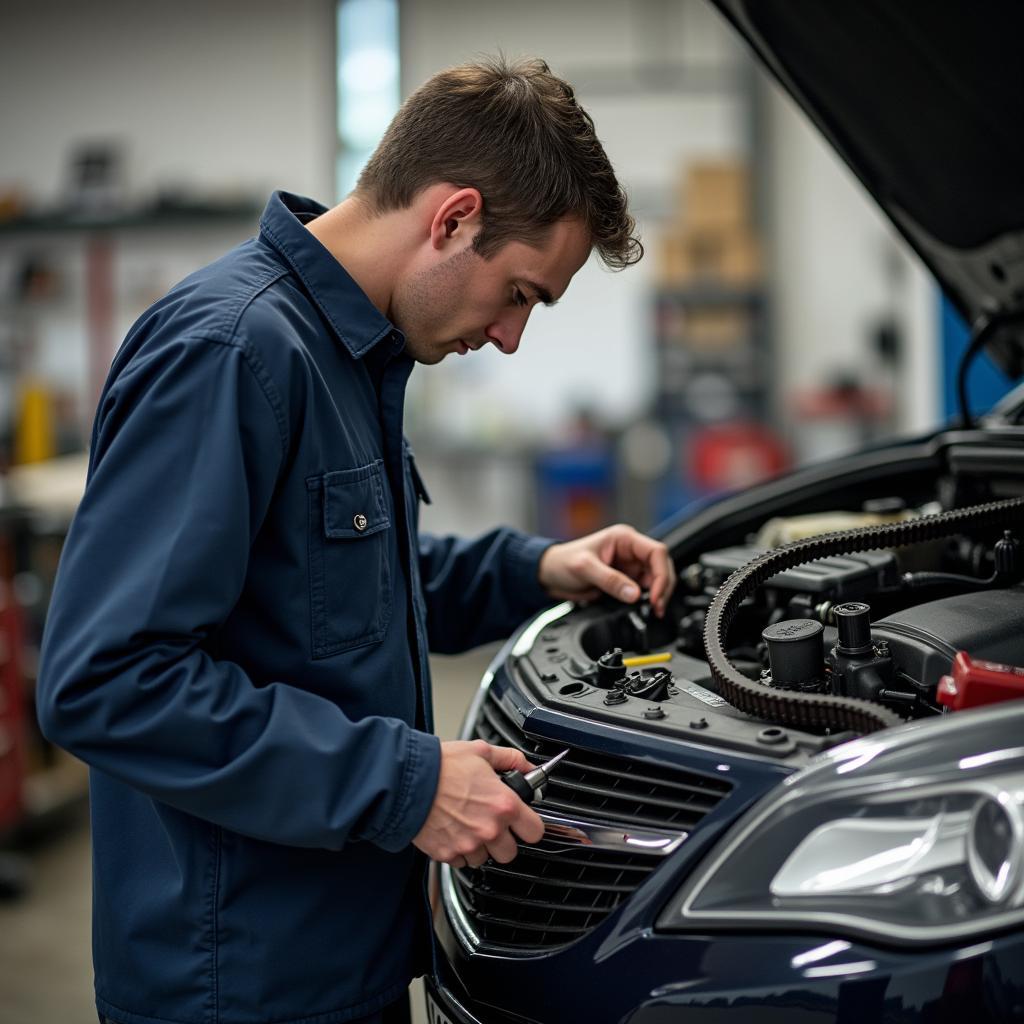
854,621
796,652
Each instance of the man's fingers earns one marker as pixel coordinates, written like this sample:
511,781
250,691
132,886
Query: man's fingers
504,849
610,580
663,579
659,571
473,814
624,559
477,857
527,824
505,759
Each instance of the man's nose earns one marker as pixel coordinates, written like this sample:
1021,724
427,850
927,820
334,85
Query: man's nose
506,334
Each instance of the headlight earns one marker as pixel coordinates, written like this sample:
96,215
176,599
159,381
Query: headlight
914,836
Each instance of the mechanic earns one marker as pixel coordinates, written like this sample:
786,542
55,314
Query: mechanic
237,641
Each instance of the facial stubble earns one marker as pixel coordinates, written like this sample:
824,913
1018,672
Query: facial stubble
428,303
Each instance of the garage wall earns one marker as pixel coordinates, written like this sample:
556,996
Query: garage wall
232,93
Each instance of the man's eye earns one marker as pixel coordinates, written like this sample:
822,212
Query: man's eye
519,298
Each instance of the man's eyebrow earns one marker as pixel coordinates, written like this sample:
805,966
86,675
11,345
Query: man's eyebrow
541,292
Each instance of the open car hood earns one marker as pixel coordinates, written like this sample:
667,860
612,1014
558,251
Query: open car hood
925,103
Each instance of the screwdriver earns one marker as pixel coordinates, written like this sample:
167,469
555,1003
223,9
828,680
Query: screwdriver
528,787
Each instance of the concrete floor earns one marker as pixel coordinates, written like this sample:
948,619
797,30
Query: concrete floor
45,959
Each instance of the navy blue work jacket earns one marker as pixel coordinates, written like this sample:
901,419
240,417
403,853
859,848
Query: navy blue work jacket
237,647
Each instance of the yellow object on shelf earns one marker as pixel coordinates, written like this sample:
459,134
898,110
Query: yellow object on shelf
34,435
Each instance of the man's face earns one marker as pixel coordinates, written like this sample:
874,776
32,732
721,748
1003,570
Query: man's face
462,301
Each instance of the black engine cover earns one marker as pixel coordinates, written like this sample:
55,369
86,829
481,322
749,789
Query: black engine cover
988,624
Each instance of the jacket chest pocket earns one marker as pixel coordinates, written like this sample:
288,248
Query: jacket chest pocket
349,570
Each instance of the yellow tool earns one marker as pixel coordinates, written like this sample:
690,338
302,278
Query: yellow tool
647,659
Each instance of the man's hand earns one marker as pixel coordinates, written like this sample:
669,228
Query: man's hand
475,815
613,560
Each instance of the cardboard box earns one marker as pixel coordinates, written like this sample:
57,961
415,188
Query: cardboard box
715,197
708,328
725,257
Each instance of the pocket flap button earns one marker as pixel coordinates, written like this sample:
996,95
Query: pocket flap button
359,521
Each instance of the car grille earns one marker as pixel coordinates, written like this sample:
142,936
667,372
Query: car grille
551,895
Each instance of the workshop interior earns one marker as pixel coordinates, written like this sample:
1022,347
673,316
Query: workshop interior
800,791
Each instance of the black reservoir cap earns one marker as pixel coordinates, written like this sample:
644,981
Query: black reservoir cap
796,651
853,618
610,668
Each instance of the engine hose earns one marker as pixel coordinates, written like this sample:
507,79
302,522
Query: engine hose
817,711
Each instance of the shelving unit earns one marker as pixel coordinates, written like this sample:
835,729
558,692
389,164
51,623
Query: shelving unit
711,329
100,234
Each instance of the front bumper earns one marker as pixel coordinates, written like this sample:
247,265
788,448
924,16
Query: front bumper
651,978
443,1007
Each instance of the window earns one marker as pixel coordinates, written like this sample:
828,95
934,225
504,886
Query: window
367,84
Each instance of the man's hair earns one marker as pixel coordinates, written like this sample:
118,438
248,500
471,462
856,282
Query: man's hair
513,131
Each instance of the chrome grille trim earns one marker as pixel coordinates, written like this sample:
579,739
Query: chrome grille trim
574,832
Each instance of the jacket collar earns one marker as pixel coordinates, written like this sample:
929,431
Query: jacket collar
358,324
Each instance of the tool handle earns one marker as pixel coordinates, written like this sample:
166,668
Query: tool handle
516,781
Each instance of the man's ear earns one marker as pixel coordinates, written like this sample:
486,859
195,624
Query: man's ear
457,219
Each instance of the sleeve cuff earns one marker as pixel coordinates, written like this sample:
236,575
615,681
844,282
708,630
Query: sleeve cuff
415,792
523,561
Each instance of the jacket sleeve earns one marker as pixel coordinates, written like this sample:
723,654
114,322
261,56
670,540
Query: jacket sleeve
479,590
186,453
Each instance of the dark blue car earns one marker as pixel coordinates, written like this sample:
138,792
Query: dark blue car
813,810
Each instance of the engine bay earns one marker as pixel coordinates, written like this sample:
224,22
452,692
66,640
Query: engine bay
907,631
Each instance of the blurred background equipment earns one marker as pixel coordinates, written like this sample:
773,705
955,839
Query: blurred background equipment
96,179
576,481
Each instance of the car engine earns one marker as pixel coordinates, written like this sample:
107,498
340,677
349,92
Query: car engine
801,638
842,625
